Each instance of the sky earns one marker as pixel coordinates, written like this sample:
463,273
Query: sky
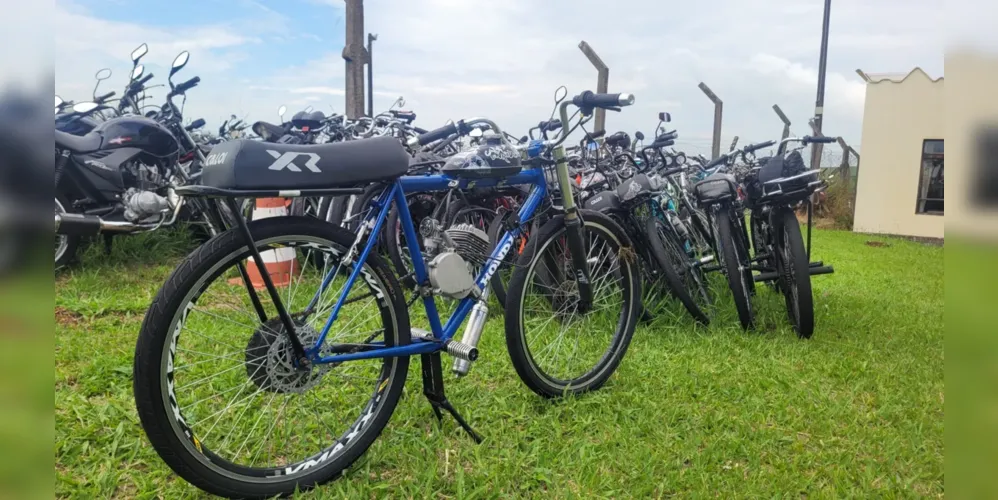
454,59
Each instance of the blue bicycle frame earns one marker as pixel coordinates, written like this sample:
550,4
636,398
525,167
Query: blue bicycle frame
395,193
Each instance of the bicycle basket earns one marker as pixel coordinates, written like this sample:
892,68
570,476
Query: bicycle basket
786,175
715,188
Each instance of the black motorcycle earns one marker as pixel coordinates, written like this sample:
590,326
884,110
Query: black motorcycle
120,177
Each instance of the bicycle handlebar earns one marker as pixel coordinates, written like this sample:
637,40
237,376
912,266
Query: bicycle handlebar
101,99
751,148
825,140
589,99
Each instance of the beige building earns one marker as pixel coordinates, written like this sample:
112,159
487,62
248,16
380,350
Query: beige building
900,185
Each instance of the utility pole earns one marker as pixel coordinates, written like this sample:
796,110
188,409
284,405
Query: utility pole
819,103
602,81
355,56
371,37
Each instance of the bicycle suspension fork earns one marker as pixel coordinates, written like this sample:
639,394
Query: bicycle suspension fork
573,226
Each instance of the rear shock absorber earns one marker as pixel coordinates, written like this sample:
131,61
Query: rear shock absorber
472,332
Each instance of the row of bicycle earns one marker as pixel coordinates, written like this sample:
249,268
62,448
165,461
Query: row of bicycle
274,325
685,215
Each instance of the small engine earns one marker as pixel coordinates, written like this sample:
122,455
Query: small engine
141,205
451,273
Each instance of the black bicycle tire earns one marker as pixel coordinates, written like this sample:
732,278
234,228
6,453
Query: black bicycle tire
516,344
672,279
726,241
800,280
150,346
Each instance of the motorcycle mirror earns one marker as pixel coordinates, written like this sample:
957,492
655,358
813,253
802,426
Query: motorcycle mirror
639,135
308,109
103,74
560,94
58,101
139,52
665,117
84,107
477,132
681,159
137,72
524,139
280,112
180,62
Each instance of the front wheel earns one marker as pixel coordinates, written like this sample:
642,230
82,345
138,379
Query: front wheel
556,349
734,258
684,278
795,273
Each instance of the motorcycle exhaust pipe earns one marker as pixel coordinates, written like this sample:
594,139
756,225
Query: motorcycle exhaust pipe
90,225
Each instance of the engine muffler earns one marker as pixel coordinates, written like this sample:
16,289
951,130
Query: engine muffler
90,225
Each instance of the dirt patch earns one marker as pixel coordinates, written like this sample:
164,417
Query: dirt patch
877,244
65,317
935,242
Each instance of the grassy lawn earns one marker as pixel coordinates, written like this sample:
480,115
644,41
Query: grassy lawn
855,412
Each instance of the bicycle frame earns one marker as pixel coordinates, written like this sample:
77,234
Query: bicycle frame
375,219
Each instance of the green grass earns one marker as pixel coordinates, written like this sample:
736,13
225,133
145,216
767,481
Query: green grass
855,412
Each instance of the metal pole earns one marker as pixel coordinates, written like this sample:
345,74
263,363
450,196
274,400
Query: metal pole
786,126
819,103
371,37
602,81
715,149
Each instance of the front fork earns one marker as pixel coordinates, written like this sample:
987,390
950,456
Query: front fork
573,225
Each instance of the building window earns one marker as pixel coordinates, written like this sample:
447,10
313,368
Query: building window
930,178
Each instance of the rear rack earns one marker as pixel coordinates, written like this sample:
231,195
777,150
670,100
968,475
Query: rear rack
215,192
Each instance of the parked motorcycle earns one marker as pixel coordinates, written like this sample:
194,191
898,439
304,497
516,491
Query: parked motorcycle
121,176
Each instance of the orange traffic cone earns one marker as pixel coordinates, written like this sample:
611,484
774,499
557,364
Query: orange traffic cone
281,263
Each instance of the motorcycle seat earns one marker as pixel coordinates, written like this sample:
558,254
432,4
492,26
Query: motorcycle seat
253,165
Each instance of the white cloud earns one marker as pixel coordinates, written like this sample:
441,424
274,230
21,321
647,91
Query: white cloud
453,59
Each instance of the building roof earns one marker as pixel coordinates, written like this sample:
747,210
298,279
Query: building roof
894,77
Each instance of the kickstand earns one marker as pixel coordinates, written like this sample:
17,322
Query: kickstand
433,389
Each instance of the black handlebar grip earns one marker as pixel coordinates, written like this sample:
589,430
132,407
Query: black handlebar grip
671,171
825,140
435,135
588,99
189,84
144,79
552,125
755,147
597,135
195,124
715,162
101,99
